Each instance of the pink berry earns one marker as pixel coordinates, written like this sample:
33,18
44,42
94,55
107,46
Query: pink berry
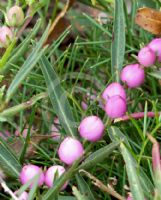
114,89
133,75
91,128
15,16
23,196
6,36
115,107
146,56
51,173
28,172
129,198
70,150
155,45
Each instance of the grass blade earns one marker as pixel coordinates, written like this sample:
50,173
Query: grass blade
8,161
133,177
58,97
21,49
118,43
27,66
99,155
84,188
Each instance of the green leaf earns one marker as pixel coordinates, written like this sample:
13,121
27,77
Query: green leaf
27,66
131,167
99,155
84,188
8,161
21,49
66,198
118,43
58,97
156,74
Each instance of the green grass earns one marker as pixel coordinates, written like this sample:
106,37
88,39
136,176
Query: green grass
44,82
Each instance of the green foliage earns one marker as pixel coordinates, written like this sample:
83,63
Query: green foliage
48,76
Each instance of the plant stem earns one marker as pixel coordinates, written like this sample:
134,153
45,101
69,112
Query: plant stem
138,115
101,186
15,109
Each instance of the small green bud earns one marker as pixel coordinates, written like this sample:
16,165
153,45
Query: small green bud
15,16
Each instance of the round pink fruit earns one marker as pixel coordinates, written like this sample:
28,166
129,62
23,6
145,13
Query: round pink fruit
112,90
91,128
70,150
23,196
115,107
155,45
6,36
29,171
133,75
51,173
146,56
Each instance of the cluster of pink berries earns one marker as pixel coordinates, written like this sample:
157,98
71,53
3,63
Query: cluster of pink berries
133,76
91,128
14,18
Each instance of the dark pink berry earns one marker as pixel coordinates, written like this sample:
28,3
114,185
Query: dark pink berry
133,75
115,107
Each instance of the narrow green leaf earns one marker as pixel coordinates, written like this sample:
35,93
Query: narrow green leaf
156,74
8,161
27,66
99,155
133,178
84,188
118,43
21,49
58,97
131,167
66,198
78,194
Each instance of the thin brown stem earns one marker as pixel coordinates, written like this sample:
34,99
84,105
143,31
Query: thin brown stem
110,190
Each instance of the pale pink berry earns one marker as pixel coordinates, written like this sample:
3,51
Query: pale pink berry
70,150
115,107
6,36
133,75
23,196
91,128
146,56
15,16
155,45
114,89
129,198
30,171
84,105
52,174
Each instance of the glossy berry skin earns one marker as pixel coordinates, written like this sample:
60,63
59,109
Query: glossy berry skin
28,172
15,16
51,173
115,107
70,150
91,128
112,90
146,56
6,36
133,75
155,45
23,196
